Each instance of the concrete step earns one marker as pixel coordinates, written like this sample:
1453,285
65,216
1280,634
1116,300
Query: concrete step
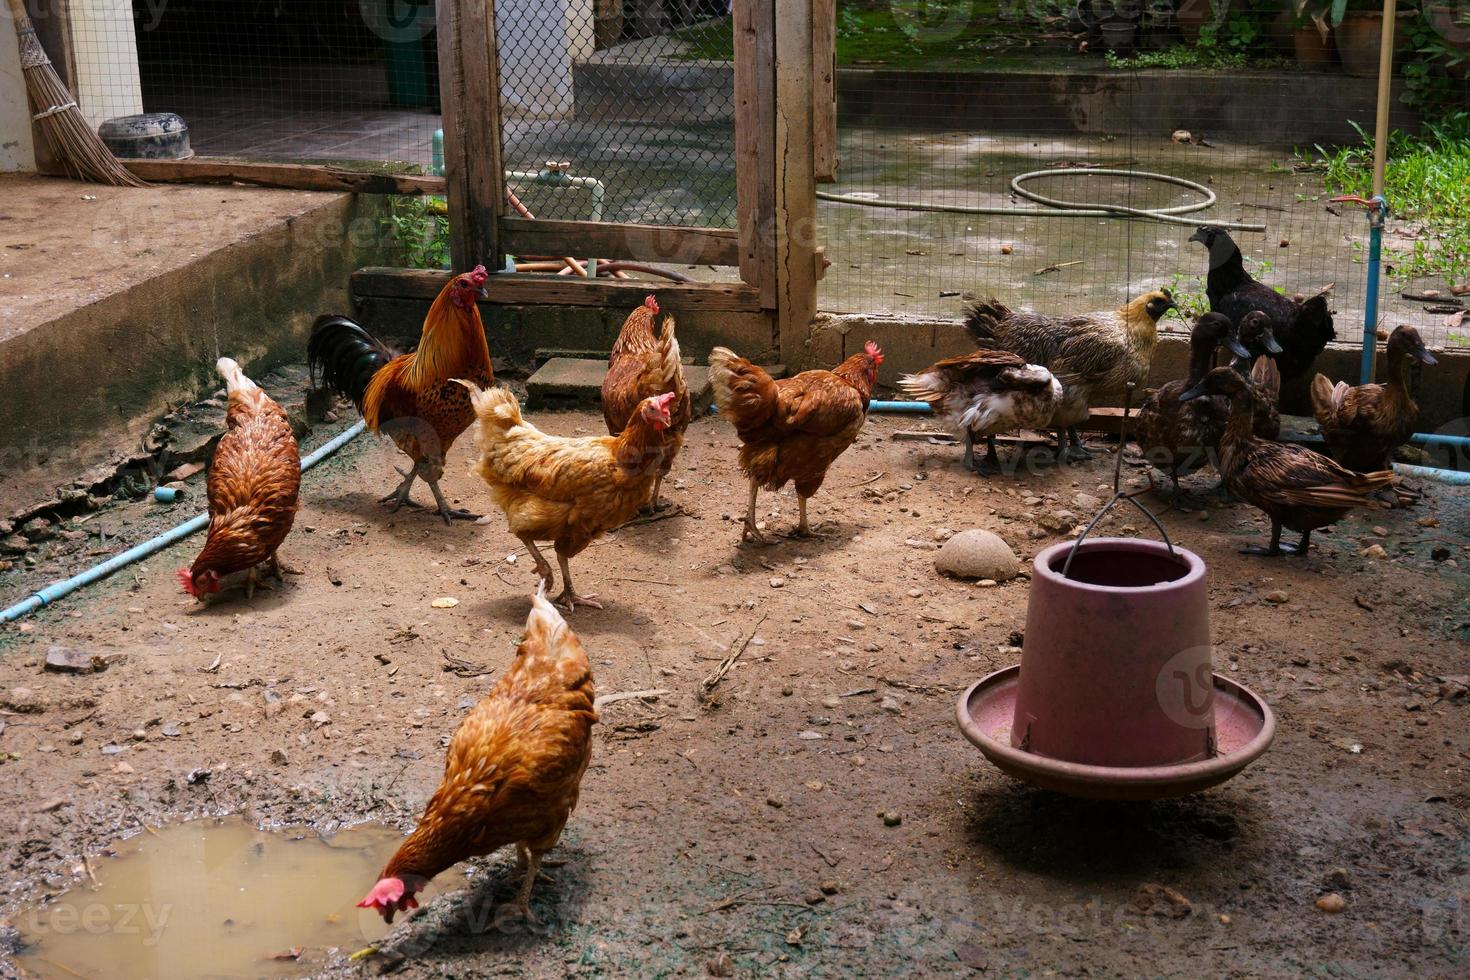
569,382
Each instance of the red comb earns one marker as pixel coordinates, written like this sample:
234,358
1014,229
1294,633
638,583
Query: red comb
479,275
873,352
651,302
662,401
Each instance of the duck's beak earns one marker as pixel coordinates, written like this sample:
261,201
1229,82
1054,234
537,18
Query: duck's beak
1198,391
1268,339
1424,357
1236,347
1198,236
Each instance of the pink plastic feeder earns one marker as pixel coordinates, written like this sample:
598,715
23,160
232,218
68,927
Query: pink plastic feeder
1115,696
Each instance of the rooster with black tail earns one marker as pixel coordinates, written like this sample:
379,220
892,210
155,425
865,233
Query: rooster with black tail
412,398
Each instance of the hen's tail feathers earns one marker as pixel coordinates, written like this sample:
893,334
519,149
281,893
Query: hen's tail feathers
981,319
1314,319
673,365
345,355
927,387
1267,378
744,392
495,405
234,376
1321,399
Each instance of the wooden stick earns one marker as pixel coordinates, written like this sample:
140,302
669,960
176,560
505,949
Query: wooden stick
707,686
599,703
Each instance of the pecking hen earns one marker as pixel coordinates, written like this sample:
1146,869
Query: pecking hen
253,484
645,362
562,490
1095,355
513,771
412,398
984,393
1301,328
793,429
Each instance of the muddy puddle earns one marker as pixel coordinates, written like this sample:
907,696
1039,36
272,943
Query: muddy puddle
215,898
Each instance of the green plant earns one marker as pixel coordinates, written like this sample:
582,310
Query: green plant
421,232
1189,293
1427,182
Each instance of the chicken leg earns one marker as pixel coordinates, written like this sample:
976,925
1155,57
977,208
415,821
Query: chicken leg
400,496
751,532
543,567
529,862
1276,548
1069,444
990,465
803,529
449,514
569,598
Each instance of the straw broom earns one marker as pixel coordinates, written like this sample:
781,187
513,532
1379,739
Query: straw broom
78,146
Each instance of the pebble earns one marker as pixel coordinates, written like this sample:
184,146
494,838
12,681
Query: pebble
774,803
1332,903
891,818
1337,879
1058,521
1381,532
891,705
1276,596
1373,551
22,700
122,768
278,757
916,593
829,886
809,735
777,582
815,897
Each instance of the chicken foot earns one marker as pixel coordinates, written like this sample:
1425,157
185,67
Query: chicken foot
1070,448
543,567
400,496
569,598
449,514
803,529
653,506
1275,549
530,862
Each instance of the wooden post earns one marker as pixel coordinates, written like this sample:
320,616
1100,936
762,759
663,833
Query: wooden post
469,86
755,143
824,90
796,190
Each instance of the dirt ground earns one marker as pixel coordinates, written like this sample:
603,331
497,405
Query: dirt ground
725,838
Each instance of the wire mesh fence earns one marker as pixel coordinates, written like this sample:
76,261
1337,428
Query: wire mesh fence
1107,105
633,101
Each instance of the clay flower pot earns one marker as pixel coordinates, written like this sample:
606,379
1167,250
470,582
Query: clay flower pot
1115,696
1360,41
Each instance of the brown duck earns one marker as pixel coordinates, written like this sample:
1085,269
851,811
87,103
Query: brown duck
1297,488
1264,378
1177,436
1363,425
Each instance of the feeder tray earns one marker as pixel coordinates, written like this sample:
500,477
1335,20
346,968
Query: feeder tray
1116,697
1244,727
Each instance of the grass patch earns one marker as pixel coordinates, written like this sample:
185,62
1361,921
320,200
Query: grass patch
419,231
1427,181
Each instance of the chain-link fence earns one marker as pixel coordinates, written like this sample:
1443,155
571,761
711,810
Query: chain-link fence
632,99
978,108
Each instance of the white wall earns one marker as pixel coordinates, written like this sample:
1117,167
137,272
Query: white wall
540,40
106,55
16,150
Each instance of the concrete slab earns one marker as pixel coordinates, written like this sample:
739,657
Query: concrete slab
566,383
116,302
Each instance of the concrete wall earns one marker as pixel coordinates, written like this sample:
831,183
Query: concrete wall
540,40
16,150
106,55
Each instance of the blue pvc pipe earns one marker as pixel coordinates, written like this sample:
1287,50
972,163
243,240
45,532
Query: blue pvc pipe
1438,439
1456,477
917,408
58,590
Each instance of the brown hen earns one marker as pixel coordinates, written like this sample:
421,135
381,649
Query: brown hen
645,362
793,429
254,480
513,770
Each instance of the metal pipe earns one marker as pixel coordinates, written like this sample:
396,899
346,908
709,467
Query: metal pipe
65,587
1439,439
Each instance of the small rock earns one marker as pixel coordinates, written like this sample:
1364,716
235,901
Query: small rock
1087,503
37,529
14,544
809,735
1373,551
814,897
786,692
1332,903
1380,532
1058,522
777,582
445,602
1440,554
921,545
977,554
197,776
942,534
23,701
891,818
111,749
1337,879
720,965
1276,596
171,729
1160,900
321,718
916,593
1007,249
278,757
987,583
774,803
64,660
973,955
829,886
891,705
123,769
